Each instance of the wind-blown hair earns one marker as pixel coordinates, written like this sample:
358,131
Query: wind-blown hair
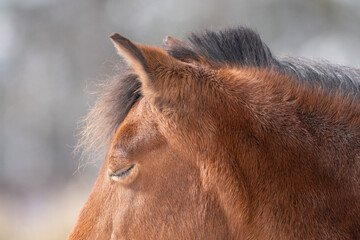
115,97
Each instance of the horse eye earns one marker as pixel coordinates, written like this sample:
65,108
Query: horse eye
122,174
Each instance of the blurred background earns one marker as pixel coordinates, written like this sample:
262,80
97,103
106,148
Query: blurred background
50,50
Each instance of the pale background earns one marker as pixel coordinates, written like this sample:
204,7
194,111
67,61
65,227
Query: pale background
51,49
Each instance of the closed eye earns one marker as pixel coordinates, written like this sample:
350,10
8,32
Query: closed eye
121,173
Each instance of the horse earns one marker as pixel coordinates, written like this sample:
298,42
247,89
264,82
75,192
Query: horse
214,137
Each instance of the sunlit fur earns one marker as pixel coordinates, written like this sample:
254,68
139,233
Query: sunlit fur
229,143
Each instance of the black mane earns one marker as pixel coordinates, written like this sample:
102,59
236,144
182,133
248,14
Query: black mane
233,46
322,74
241,47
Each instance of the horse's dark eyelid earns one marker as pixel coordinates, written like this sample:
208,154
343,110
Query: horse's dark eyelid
123,173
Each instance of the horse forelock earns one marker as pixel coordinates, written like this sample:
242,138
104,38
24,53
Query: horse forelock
115,97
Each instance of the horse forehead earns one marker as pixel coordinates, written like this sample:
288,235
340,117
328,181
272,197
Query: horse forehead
138,115
141,111
139,125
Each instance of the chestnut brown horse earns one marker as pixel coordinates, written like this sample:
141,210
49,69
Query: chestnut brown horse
215,138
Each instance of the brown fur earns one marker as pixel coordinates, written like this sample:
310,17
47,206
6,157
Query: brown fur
228,153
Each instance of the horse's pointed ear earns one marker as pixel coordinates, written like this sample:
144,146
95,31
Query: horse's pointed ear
172,42
184,52
132,55
163,78
146,62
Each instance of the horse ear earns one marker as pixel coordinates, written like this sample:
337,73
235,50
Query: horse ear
153,65
184,52
132,55
172,42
